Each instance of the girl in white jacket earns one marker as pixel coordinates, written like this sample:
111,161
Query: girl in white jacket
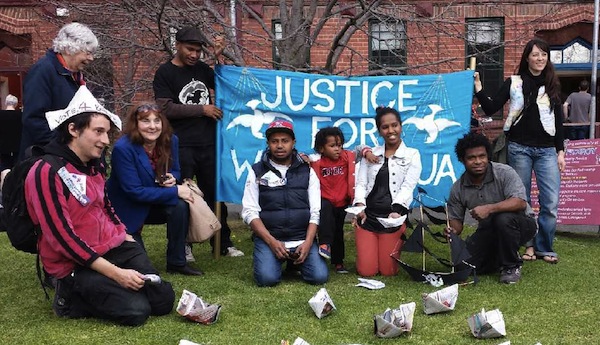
386,189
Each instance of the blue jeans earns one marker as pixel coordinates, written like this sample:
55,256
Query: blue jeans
267,267
579,132
542,161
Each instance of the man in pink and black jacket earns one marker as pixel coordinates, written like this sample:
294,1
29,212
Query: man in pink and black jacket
102,272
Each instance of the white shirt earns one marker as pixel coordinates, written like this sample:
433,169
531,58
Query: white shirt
251,209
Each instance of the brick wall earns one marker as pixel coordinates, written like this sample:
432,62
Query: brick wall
435,31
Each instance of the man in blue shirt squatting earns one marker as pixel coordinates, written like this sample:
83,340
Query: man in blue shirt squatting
281,203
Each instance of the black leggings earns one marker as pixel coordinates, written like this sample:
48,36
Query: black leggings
496,242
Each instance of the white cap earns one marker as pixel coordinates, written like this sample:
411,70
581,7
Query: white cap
82,102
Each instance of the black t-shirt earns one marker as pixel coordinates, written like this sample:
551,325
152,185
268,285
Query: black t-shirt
187,85
379,202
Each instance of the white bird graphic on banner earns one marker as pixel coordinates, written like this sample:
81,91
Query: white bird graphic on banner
257,120
427,123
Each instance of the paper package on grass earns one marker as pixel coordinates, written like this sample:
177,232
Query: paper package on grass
194,308
487,324
187,342
321,303
440,301
394,322
298,341
370,284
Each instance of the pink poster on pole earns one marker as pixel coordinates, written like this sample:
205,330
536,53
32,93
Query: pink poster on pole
579,202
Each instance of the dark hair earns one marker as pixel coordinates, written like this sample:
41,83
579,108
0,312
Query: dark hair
323,133
381,111
551,79
584,85
79,121
163,143
469,141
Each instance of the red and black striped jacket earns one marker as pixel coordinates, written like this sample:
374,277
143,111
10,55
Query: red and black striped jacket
72,233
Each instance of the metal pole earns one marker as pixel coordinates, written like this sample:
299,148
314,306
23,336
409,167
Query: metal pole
593,90
233,20
218,211
217,237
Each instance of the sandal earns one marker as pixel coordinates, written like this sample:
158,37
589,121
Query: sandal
550,259
528,257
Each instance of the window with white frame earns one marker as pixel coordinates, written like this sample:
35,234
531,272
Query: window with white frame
387,44
278,34
577,51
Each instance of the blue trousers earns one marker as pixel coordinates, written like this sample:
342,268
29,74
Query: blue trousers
177,218
267,267
543,162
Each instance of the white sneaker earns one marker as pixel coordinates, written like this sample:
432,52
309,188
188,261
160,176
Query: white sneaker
234,252
189,256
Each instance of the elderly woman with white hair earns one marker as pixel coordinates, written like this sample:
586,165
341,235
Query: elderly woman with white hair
10,103
53,80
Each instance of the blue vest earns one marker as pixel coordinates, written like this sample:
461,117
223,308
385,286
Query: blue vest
285,209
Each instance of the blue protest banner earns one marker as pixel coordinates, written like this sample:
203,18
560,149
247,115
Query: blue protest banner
435,111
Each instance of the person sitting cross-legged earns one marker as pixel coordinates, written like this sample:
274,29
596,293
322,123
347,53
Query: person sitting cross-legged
495,197
281,203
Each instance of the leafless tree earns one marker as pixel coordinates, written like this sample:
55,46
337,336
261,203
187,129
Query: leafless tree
137,35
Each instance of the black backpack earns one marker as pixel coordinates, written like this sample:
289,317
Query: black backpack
21,231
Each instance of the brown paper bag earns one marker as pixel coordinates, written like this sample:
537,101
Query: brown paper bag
203,222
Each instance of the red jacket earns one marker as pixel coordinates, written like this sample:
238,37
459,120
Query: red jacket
72,234
337,178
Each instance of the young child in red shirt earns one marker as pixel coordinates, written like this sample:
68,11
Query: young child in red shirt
335,169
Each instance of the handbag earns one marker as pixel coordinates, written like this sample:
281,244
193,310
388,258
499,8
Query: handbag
203,222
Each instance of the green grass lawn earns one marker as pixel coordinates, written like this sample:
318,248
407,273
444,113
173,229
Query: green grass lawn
553,304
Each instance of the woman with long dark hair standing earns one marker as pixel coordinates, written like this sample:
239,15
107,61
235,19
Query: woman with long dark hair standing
535,136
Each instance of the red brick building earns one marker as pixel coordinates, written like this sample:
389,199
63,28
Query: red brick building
412,37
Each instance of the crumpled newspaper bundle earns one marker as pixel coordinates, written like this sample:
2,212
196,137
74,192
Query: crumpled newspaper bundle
394,322
298,341
487,324
370,284
187,342
194,308
321,303
440,301
434,279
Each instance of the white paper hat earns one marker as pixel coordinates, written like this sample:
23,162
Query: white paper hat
82,102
